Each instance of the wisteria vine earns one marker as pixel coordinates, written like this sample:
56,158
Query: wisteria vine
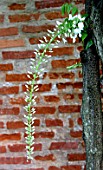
73,27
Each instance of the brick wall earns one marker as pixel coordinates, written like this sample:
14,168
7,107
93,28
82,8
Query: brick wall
58,136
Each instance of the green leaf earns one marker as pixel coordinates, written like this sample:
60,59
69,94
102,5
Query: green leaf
89,44
66,8
84,35
69,8
74,11
63,9
74,66
85,15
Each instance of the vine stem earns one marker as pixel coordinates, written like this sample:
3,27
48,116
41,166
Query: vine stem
29,139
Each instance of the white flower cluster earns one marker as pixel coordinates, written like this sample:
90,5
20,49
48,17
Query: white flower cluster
36,71
72,27
78,26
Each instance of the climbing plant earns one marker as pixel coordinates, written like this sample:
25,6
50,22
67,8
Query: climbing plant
72,26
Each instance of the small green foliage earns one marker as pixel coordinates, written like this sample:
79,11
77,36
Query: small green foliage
89,44
74,66
66,8
69,8
74,10
84,36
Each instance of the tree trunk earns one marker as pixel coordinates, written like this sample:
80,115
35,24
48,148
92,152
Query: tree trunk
94,8
91,110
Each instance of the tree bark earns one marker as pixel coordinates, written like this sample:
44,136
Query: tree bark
94,8
91,110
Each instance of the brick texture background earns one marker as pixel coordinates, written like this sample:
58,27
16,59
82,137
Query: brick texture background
58,136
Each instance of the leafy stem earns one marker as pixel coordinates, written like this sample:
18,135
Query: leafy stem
29,99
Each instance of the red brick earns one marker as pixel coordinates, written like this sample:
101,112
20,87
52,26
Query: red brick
63,145
15,6
14,160
41,87
71,123
68,97
54,15
80,48
18,100
53,75
55,122
18,54
80,96
77,157
63,85
9,111
78,85
71,167
50,3
82,12
1,124
37,147
15,136
45,158
62,63
17,147
69,108
45,110
51,98
36,122
36,29
76,134
1,101
8,31
44,87
22,147
23,17
68,75
53,168
11,43
2,149
70,40
16,77
20,124
63,51
36,40
80,2
58,64
44,134
6,67
31,169
9,90
80,74
15,125
79,121
83,144
1,18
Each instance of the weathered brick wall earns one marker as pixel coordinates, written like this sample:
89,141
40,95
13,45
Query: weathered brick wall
58,136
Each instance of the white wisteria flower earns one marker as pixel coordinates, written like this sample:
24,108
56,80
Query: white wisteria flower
81,25
58,22
73,36
70,17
